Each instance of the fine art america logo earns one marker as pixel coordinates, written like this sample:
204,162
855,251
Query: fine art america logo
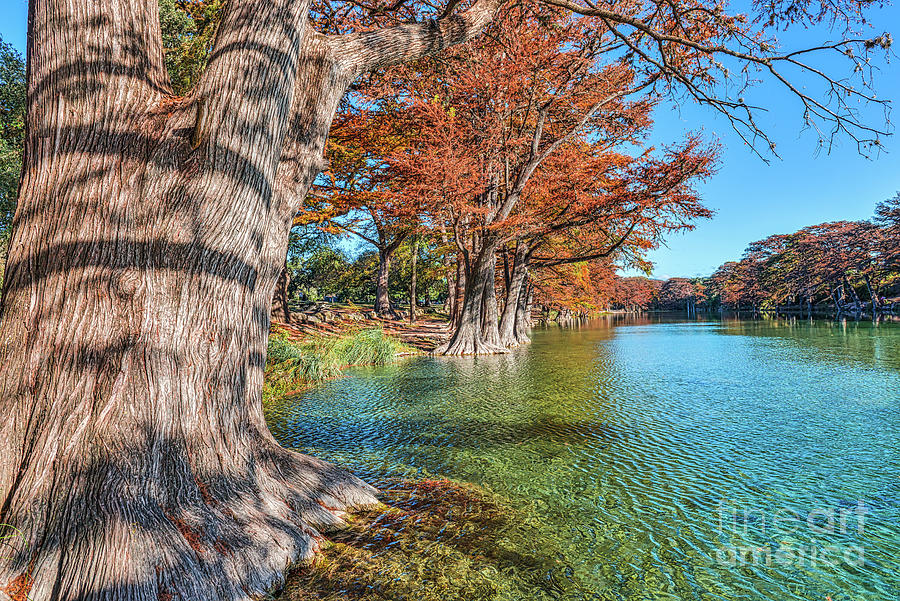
821,537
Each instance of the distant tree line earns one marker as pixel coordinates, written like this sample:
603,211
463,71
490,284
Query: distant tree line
844,267
850,265
837,267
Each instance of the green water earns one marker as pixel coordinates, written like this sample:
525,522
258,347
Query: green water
654,456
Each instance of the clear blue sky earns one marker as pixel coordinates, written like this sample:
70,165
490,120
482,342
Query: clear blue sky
751,199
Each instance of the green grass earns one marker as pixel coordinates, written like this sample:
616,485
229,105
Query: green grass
291,365
434,540
365,347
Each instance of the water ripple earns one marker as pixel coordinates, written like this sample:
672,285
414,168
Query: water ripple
690,460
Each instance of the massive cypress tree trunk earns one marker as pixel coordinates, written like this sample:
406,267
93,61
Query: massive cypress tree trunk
135,462
150,233
468,336
515,288
383,306
489,328
523,312
475,333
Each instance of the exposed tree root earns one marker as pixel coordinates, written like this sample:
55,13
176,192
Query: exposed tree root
470,345
511,343
216,537
389,313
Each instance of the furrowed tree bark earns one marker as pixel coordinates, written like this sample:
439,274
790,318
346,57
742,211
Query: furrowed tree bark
459,292
468,336
450,304
506,273
514,291
135,462
523,312
489,321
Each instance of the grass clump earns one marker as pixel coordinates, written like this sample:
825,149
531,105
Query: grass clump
291,365
364,347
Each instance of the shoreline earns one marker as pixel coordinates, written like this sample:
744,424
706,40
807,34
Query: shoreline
430,330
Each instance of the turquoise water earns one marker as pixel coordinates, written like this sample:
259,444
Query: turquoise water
662,459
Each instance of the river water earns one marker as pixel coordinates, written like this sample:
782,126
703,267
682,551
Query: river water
660,458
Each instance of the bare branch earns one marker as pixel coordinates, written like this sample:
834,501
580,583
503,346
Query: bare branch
661,36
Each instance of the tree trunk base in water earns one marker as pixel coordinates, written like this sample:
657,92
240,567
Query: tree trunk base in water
469,343
470,349
221,537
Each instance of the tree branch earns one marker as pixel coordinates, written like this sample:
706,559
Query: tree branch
246,59
659,34
551,262
363,51
535,159
371,241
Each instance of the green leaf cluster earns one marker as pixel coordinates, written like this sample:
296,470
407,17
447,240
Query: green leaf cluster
12,131
188,32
